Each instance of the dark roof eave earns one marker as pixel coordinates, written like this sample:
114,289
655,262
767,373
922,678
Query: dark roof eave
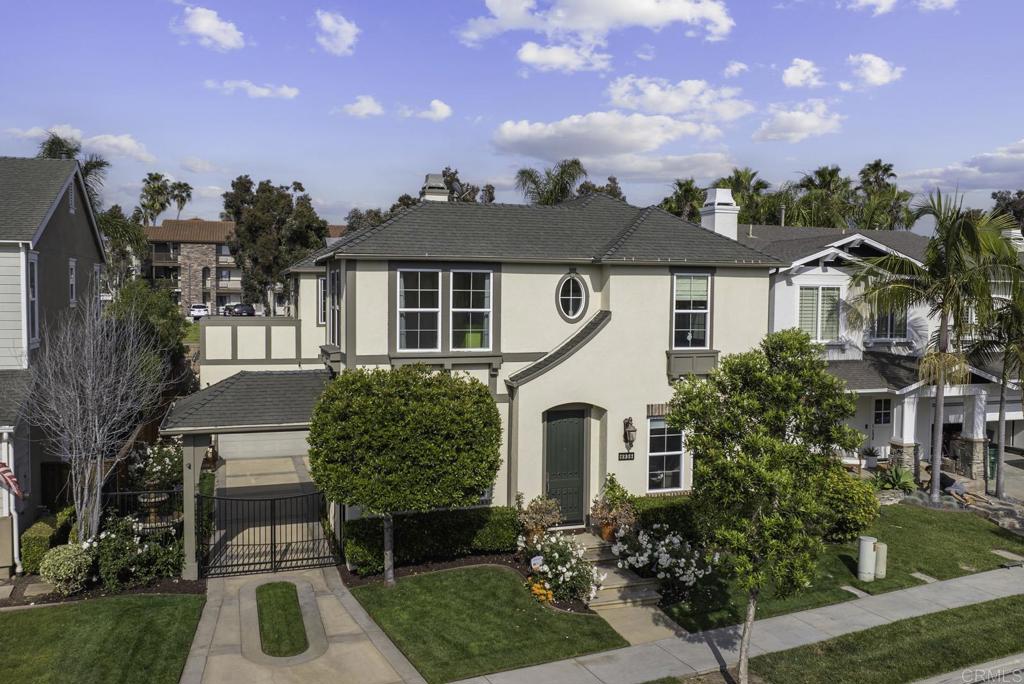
553,260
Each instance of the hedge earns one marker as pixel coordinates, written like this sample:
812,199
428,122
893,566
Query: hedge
35,542
433,536
674,511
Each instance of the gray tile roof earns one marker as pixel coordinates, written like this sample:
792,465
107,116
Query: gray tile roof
877,370
563,351
28,188
308,264
13,389
258,399
791,243
594,228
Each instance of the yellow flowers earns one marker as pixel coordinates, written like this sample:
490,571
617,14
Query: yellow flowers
539,591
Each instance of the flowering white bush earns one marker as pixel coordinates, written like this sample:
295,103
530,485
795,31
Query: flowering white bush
157,466
562,569
661,553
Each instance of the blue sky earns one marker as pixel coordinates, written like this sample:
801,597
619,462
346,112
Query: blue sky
358,100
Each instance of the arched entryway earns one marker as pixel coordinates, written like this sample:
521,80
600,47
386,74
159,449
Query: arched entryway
567,458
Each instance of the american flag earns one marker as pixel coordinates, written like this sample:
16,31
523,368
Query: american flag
7,477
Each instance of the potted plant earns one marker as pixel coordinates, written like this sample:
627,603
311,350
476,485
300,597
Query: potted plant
612,509
536,517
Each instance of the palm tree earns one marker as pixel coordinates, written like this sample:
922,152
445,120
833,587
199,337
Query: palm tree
953,282
887,208
553,185
826,179
876,175
155,197
686,199
93,166
180,193
747,190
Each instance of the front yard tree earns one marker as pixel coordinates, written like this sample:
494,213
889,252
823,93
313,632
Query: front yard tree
766,429
407,439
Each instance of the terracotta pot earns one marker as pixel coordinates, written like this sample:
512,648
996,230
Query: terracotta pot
608,532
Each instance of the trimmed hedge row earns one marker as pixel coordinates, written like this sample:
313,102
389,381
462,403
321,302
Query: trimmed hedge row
432,536
674,511
45,533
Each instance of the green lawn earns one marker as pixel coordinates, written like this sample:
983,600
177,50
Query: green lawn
282,633
904,651
456,624
192,334
118,639
942,544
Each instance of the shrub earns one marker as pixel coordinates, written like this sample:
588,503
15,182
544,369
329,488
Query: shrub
562,569
65,524
614,506
157,466
661,552
126,559
675,512
35,542
897,477
431,536
540,514
851,504
67,568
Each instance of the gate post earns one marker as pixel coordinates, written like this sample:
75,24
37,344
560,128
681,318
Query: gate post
273,535
194,447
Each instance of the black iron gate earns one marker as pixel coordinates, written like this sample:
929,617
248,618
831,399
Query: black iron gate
237,536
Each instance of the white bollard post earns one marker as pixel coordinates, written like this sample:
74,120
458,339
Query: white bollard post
881,559
866,559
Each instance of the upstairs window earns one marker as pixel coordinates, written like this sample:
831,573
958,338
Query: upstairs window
419,310
33,298
690,311
819,313
891,326
72,282
223,250
333,286
471,310
572,297
321,300
664,456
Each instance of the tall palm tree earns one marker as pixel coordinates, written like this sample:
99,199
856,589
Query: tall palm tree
686,199
748,191
553,185
94,167
886,208
953,282
826,179
180,193
155,197
876,175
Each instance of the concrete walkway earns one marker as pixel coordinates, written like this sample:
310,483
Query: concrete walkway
712,650
357,651
1001,671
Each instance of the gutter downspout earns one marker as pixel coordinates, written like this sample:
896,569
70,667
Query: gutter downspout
8,457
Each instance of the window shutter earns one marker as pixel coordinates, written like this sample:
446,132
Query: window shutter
809,311
830,313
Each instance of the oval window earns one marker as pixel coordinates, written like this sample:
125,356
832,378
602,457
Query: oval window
572,297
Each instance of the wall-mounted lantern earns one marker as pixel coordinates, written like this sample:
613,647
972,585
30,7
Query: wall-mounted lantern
628,433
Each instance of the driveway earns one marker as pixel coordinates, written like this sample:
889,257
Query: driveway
258,478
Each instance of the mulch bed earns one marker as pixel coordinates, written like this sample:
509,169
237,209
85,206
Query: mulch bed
164,586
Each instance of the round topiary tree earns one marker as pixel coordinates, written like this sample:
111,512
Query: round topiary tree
407,439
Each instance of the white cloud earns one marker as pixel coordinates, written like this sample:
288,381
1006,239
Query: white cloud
1000,169
643,168
211,30
38,132
209,191
565,57
198,165
437,111
694,98
877,6
594,134
645,52
124,145
845,86
337,34
251,89
802,73
931,5
734,69
806,120
364,106
872,70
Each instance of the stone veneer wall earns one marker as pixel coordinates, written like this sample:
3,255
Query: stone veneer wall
191,262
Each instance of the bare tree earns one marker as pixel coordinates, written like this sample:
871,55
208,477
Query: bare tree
94,379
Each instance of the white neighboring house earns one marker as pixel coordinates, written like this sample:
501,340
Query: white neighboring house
895,410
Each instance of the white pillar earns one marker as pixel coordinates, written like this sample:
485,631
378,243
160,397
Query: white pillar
905,420
975,413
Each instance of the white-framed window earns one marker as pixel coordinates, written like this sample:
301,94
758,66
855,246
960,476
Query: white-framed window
32,283
334,310
819,312
223,250
72,282
470,317
572,297
883,411
664,456
419,310
890,326
321,300
690,310
71,197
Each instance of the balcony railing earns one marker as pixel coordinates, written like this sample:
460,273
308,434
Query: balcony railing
164,257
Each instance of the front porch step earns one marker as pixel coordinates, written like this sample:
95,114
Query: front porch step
619,577
646,595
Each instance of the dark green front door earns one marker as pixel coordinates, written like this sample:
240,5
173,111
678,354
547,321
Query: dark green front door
564,462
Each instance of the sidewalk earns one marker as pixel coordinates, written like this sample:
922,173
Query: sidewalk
711,650
1001,671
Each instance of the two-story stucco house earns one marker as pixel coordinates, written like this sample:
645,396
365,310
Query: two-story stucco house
51,254
578,317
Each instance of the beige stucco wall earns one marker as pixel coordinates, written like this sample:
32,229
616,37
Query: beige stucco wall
529,317
216,341
312,334
251,342
12,305
371,308
741,309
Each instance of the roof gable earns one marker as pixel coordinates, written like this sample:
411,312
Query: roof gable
29,190
790,244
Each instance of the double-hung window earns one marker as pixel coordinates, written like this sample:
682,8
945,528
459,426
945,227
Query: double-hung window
419,310
321,300
333,314
664,456
72,282
691,304
819,312
33,298
471,310
891,326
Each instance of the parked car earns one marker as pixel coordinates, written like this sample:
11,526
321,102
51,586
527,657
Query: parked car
197,311
243,310
228,309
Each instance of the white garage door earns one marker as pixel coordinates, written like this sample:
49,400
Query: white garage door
262,444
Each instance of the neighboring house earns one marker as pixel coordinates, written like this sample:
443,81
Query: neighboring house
578,317
878,355
191,257
51,255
